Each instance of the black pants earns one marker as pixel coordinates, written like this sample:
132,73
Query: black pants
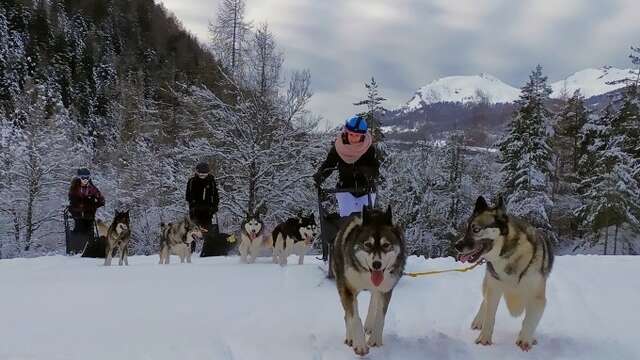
83,226
201,216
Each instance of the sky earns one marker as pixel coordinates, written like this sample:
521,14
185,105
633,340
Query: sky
406,44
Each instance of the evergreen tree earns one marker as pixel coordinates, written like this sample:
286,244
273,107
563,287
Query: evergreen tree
228,35
373,103
525,153
610,192
570,121
265,63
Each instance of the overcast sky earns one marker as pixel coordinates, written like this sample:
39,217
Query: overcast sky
406,44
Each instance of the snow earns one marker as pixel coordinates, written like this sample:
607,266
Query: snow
74,308
591,82
463,89
396,129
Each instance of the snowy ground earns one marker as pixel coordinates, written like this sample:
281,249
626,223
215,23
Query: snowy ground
58,308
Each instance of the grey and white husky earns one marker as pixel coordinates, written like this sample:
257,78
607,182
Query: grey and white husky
176,239
116,235
519,261
369,254
252,238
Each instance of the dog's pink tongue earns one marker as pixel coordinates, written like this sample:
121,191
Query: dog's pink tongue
377,277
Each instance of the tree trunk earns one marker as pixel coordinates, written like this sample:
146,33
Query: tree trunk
253,183
606,239
233,50
28,236
615,240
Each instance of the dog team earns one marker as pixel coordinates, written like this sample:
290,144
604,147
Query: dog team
369,252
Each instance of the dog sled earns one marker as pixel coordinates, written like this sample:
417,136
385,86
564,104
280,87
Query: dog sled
215,242
330,222
89,245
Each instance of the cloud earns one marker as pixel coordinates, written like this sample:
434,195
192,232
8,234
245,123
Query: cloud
406,44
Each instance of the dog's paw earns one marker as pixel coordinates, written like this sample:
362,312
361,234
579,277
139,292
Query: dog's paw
484,339
360,349
526,343
375,340
476,324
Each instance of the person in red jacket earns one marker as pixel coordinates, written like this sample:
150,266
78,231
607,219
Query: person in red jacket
84,200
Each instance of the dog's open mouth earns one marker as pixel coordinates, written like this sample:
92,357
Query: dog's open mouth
377,277
195,237
474,254
308,239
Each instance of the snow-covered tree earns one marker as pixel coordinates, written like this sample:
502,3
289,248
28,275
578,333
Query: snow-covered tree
263,161
525,153
38,163
611,194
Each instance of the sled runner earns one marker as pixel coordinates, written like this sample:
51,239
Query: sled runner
89,245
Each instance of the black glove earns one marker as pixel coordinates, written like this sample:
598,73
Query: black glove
318,179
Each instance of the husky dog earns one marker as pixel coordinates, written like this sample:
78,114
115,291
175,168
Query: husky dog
176,239
116,235
369,254
252,238
518,264
293,236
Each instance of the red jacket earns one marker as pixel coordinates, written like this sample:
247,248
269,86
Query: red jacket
84,201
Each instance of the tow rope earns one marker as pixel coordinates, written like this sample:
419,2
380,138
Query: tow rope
416,274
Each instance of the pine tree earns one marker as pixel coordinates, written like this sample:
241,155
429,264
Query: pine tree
525,153
570,121
265,63
373,102
610,192
228,35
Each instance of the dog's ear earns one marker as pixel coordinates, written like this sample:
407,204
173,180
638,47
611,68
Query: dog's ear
481,205
398,231
388,216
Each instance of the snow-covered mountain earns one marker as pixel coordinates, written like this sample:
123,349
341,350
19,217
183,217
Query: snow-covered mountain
463,89
472,89
591,82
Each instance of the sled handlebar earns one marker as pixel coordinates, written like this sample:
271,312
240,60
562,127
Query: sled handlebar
344,190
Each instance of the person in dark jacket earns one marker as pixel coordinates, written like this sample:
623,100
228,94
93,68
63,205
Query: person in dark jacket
358,167
84,201
202,196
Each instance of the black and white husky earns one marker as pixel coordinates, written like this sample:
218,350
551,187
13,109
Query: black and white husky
293,236
176,239
252,238
369,254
